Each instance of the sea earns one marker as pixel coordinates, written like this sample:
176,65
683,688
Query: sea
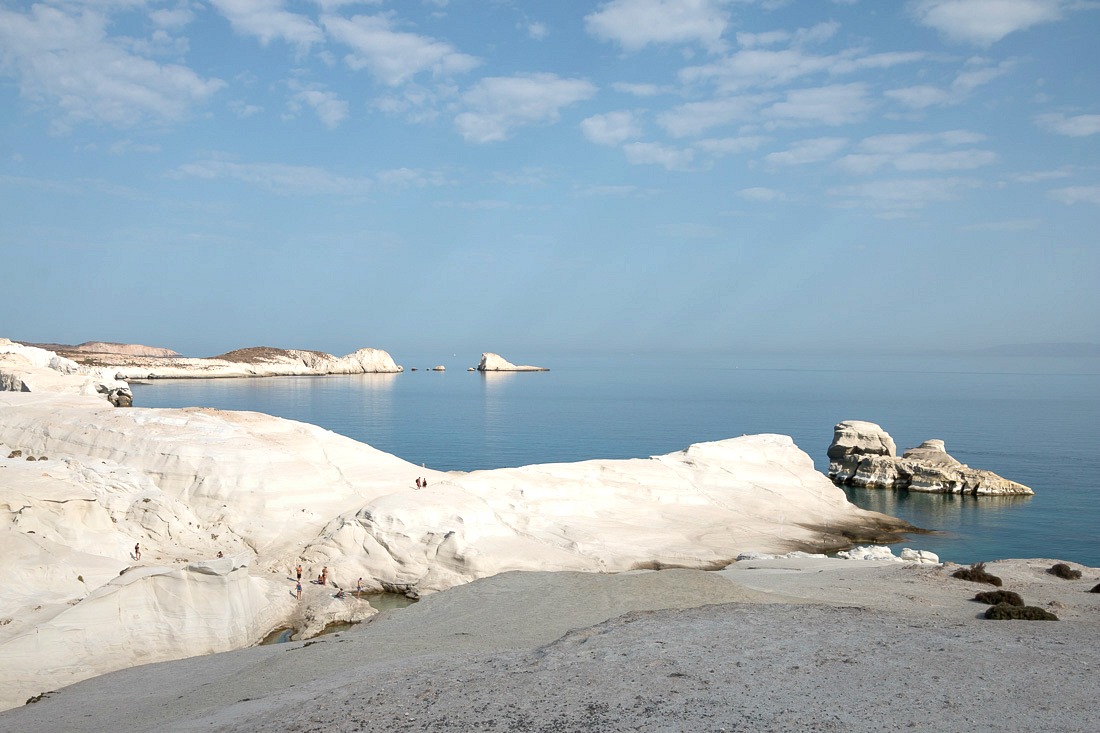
1035,420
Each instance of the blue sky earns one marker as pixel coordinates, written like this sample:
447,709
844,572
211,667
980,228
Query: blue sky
623,176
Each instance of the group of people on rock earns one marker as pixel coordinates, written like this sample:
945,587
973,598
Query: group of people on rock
322,579
421,482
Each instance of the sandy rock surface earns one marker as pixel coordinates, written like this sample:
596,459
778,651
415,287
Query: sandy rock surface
766,645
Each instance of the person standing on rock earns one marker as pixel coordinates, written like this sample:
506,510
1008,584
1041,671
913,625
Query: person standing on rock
137,551
298,570
299,590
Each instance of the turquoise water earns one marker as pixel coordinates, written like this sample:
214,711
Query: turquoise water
1036,421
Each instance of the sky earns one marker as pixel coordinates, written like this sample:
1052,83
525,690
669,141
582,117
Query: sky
626,176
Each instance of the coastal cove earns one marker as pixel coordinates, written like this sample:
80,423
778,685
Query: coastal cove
1033,420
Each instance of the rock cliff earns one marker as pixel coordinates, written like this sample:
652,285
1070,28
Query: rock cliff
863,454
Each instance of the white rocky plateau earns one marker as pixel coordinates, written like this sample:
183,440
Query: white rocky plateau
863,454
145,363
491,362
224,504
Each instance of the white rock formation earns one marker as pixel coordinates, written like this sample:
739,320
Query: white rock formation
30,369
863,454
491,362
270,493
880,552
257,362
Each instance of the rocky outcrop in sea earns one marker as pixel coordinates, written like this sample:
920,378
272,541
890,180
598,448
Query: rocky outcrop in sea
863,454
491,362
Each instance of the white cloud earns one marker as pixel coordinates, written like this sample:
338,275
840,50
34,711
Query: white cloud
695,118
328,106
1076,126
1040,176
394,57
638,90
763,195
634,24
984,22
538,31
1076,195
837,104
498,105
1007,225
673,159
276,177
808,151
268,20
899,151
901,196
613,128
121,147
978,74
731,145
67,62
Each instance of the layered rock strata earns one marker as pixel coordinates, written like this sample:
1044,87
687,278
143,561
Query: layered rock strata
863,454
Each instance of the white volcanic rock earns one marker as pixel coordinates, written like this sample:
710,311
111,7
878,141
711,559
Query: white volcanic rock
861,438
30,369
269,493
862,454
491,362
253,362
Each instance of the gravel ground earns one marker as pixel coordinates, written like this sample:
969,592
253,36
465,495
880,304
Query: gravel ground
764,646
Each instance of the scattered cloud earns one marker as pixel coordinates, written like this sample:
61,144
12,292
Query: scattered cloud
695,118
497,105
1076,195
538,31
1076,126
719,146
278,178
836,104
808,151
978,73
613,128
66,62
670,158
900,152
268,20
1040,176
900,197
1008,225
984,22
635,24
639,90
328,106
762,195
394,57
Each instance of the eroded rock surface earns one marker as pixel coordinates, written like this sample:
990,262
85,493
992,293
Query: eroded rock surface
863,454
491,362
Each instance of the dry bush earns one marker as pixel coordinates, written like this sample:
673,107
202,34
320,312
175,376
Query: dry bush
993,597
1065,572
977,574
1005,612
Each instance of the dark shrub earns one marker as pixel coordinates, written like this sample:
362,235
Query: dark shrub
1095,589
977,574
1065,572
993,597
1005,612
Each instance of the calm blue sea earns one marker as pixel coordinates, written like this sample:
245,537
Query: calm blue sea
1033,420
